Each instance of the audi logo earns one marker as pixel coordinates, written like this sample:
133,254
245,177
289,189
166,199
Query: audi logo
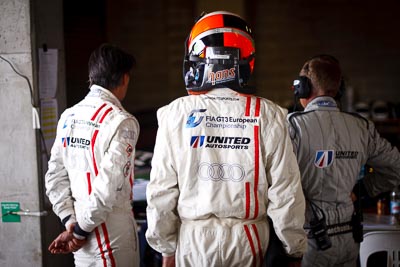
221,172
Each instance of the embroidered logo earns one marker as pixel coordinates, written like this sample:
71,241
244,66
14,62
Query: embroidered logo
197,141
323,158
129,150
194,121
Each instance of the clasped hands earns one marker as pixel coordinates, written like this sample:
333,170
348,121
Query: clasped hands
66,242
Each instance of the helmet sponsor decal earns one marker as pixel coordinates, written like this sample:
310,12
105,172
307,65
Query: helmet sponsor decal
221,76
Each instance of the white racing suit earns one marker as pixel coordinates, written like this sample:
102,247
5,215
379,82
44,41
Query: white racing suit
221,163
331,148
90,177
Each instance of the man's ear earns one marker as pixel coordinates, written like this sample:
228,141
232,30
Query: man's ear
125,79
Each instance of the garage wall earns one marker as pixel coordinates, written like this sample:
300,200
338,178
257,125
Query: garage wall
363,35
20,240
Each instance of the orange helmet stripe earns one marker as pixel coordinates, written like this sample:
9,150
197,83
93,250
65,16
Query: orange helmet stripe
211,22
239,41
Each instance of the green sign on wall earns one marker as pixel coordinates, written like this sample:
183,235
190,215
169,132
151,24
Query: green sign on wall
6,209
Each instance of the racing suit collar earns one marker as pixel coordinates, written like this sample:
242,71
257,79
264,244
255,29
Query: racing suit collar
322,103
103,93
221,91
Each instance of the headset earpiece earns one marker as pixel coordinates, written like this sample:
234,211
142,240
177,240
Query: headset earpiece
302,87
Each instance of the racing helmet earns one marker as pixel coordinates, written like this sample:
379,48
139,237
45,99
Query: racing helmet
219,52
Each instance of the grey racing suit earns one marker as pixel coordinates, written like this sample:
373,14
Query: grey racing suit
90,177
331,147
222,162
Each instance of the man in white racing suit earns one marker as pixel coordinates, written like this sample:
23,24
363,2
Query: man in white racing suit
222,162
90,173
331,147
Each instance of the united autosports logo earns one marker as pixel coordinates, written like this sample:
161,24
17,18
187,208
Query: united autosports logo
323,158
197,141
220,142
75,142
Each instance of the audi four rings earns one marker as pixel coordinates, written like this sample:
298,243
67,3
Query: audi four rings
221,172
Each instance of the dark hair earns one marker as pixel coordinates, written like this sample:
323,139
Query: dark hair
325,73
107,66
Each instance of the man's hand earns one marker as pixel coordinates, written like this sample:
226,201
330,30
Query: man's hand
60,244
75,244
66,242
168,261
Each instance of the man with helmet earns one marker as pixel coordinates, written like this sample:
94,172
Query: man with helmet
331,148
223,160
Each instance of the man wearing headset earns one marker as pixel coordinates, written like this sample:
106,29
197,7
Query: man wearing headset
223,160
331,148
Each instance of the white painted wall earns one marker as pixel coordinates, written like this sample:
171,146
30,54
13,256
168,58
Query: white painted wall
26,25
20,243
